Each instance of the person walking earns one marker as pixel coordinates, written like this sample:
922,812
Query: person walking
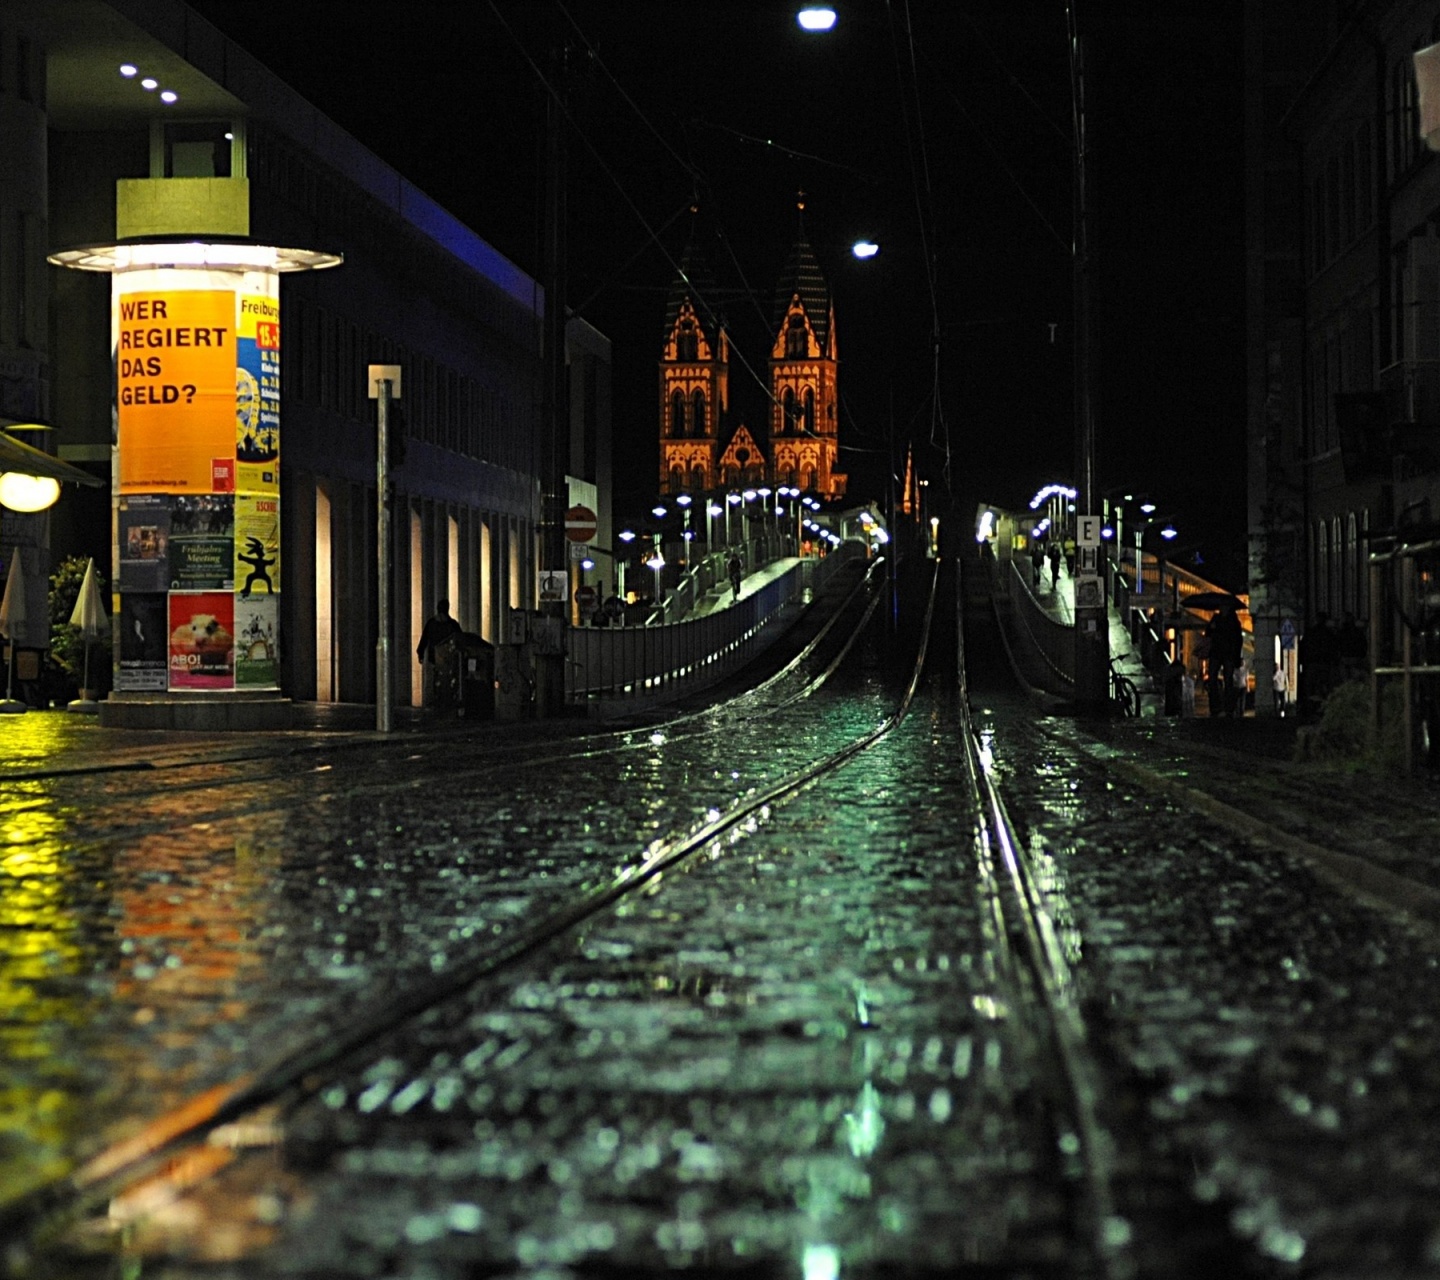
1226,650
1037,563
734,568
1054,557
440,628
1281,687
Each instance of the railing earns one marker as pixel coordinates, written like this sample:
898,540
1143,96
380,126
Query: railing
711,571
1050,642
649,663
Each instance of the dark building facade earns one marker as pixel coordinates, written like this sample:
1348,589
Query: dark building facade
1343,305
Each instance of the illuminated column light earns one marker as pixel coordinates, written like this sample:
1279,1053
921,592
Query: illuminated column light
195,335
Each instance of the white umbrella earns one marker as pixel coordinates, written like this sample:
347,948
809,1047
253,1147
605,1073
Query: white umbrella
90,616
12,620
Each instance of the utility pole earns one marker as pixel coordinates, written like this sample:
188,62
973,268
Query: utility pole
1092,624
549,645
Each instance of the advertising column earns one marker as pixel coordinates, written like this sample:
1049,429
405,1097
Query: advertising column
197,405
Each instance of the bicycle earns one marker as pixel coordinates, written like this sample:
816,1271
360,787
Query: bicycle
1124,693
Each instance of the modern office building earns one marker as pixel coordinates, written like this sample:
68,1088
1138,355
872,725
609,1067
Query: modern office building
135,121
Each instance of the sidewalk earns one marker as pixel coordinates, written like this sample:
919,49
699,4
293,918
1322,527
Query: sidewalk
720,596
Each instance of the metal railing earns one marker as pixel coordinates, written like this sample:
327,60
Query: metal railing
1049,642
656,662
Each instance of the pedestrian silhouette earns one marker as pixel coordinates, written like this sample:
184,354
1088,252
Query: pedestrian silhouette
440,628
734,567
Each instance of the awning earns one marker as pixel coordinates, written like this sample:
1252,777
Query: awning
16,455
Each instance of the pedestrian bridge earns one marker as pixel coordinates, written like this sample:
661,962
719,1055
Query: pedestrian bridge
614,670
1148,622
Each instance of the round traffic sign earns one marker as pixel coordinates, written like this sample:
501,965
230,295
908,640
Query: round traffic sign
586,597
580,524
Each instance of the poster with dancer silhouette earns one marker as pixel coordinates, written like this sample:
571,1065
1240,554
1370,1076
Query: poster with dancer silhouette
144,631
257,546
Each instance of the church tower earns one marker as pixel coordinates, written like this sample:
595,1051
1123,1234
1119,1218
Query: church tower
694,380
804,448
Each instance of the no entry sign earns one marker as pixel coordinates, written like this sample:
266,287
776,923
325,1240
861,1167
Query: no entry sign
580,524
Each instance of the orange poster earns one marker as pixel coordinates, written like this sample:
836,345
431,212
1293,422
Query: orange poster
175,378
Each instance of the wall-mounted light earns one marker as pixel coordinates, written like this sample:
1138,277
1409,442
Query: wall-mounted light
22,492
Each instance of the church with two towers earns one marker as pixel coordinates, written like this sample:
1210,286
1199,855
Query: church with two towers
703,444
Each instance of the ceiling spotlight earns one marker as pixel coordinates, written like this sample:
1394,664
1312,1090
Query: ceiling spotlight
149,84
128,69
169,95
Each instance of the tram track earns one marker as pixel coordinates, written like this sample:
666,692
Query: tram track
180,1152
174,1147
132,783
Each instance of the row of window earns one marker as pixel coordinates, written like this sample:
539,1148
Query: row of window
324,362
22,69
1343,360
1342,192
349,219
1340,547
687,418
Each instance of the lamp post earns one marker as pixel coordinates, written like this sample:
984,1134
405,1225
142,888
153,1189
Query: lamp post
731,501
712,509
622,562
384,381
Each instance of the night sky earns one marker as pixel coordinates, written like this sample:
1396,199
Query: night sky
940,128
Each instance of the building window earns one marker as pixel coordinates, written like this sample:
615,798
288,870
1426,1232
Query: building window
687,344
796,348
697,412
677,414
810,410
787,411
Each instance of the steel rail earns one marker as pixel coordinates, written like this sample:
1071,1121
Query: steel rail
1043,957
182,1148
612,741
506,754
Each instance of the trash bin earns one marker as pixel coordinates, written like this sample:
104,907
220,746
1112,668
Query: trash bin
440,679
477,677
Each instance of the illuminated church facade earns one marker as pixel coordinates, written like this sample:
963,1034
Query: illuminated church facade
703,445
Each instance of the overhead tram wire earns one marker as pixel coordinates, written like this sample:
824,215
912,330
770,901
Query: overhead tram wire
690,170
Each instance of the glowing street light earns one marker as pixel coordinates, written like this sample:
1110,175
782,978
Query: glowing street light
816,17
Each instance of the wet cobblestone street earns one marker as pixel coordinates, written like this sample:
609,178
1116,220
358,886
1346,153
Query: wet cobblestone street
801,1052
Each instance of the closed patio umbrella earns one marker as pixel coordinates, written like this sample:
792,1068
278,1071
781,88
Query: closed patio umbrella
12,621
90,616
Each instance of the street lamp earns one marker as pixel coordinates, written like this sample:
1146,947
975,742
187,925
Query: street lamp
816,17
731,500
711,511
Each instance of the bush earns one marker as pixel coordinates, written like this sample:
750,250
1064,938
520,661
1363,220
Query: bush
1343,734
67,645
